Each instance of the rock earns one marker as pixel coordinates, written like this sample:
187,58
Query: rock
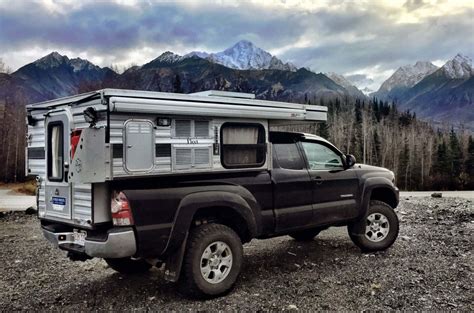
405,238
31,211
436,195
292,307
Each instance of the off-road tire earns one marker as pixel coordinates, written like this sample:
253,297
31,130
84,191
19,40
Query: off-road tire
128,266
305,235
192,282
357,230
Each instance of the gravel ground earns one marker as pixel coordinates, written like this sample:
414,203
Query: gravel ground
430,267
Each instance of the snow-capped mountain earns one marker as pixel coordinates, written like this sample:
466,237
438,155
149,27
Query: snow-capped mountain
244,55
408,76
169,57
447,94
344,82
54,59
458,68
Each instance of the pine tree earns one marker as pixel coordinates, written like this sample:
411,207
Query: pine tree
454,157
469,164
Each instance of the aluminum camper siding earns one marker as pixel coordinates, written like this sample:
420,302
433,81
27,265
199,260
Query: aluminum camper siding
81,194
163,135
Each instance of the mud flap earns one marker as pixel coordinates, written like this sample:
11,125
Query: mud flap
174,262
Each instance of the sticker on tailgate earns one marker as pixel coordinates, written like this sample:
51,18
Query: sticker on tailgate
58,203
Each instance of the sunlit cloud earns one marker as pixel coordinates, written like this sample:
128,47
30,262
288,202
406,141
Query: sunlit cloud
371,38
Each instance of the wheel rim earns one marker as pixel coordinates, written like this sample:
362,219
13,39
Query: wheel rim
216,262
377,227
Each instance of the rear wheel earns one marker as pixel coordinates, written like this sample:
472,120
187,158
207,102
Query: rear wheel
212,261
128,265
378,230
305,235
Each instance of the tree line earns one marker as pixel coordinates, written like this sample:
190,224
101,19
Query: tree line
421,156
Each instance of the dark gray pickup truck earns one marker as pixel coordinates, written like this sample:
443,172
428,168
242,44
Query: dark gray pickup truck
196,223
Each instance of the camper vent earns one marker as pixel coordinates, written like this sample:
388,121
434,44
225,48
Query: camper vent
201,128
190,128
183,128
183,157
201,156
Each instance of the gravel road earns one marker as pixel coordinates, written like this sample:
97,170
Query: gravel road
430,267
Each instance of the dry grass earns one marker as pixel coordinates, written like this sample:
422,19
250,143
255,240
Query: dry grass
27,188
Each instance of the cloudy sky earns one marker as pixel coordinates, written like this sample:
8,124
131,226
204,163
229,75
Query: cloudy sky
365,40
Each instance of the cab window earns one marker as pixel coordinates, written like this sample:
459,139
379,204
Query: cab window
288,156
321,157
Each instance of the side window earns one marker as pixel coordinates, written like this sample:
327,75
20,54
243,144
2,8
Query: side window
321,157
288,156
243,145
55,151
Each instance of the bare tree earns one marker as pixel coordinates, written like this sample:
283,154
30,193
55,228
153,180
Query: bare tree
4,68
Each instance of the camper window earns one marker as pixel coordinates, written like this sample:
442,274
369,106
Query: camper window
243,145
55,151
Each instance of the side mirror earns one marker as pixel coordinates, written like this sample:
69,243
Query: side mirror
350,160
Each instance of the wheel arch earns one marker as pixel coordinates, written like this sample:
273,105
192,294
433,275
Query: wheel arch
381,189
229,208
384,194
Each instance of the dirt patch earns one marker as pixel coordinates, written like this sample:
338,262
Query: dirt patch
428,268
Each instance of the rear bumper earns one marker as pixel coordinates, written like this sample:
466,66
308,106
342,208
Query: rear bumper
120,243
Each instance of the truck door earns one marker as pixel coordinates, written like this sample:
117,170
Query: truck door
292,188
335,189
57,188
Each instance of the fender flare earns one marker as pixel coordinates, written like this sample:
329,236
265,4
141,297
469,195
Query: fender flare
369,185
191,203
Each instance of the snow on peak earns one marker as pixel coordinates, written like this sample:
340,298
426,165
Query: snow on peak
460,67
244,55
79,64
169,57
408,75
339,79
53,59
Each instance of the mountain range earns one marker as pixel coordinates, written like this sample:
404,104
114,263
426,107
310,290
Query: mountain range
444,94
441,94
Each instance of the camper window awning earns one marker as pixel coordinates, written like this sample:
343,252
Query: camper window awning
250,110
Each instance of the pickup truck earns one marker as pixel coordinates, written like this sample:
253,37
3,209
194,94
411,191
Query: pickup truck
196,223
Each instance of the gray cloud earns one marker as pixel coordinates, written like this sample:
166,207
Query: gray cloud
349,39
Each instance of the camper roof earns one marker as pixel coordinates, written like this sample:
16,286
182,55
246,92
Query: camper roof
211,103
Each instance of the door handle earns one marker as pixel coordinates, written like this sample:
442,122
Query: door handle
129,146
318,180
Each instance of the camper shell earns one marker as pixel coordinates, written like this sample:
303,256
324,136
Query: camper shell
112,134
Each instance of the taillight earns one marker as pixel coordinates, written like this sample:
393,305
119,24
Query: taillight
120,208
75,136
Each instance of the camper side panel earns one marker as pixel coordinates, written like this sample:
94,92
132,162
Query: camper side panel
182,144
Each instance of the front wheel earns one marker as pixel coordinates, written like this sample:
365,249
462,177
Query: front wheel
128,265
212,261
378,230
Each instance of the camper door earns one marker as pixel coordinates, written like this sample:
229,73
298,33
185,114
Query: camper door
57,188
